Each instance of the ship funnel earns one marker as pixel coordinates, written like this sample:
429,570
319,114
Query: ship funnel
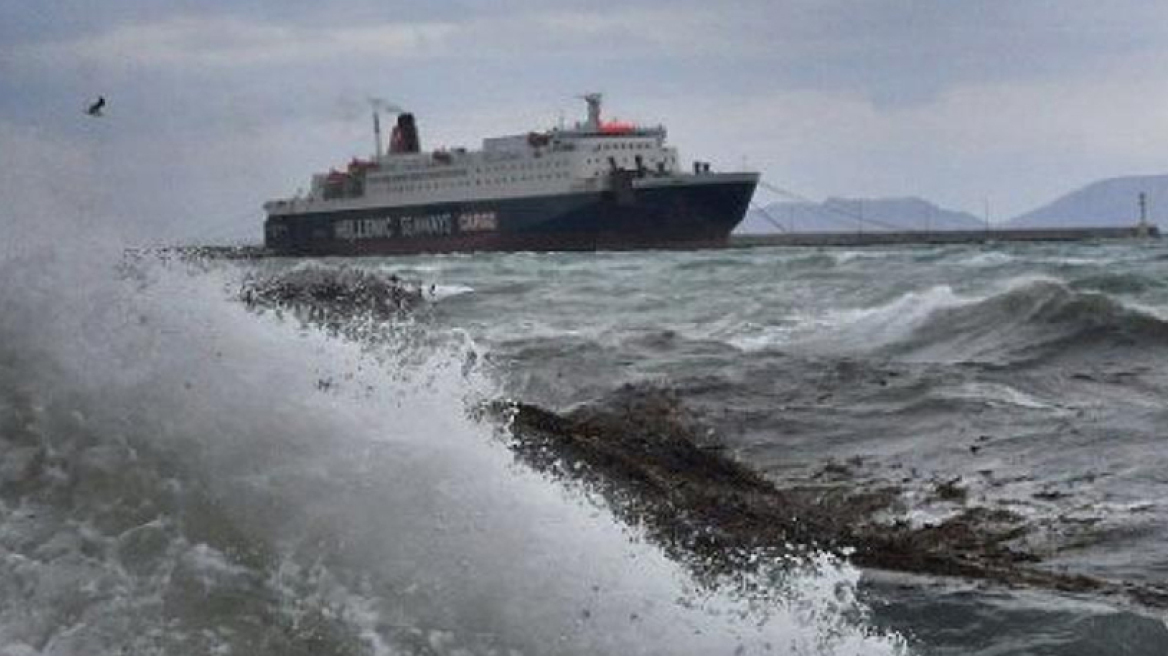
404,138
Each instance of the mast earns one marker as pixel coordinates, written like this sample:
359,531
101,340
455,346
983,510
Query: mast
378,104
376,134
593,100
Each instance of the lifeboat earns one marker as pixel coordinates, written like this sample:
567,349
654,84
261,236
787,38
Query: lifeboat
616,127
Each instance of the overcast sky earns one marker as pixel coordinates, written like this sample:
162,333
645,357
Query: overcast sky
217,106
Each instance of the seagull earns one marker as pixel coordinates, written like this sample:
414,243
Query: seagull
95,108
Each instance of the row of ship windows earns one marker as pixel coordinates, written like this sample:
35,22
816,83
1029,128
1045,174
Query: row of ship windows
486,182
622,146
478,171
554,164
424,169
521,178
627,160
523,167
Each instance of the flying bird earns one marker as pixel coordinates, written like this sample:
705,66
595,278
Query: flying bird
95,108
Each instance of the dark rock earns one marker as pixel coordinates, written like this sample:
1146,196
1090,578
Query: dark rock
951,491
651,461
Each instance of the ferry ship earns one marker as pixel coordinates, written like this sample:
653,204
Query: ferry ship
598,185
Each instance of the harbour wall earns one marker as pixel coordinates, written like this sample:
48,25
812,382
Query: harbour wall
940,236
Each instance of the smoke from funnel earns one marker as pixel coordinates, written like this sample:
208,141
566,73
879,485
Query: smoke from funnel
383,104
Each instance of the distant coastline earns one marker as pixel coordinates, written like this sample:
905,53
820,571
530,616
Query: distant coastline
1108,203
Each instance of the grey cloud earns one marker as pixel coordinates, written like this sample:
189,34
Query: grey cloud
835,96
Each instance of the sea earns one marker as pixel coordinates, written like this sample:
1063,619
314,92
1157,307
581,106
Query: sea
184,471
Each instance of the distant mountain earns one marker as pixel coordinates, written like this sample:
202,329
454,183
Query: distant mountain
848,214
1110,202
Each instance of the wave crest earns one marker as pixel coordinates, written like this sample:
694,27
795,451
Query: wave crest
1031,320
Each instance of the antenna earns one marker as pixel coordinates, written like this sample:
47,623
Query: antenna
593,100
378,104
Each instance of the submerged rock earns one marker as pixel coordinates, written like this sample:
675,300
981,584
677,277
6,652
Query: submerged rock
349,301
658,469
341,290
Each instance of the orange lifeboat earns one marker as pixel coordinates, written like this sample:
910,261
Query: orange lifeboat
616,127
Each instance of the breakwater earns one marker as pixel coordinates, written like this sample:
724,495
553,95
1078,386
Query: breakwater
941,236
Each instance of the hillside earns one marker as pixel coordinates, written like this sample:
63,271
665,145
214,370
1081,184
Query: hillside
1111,202
844,215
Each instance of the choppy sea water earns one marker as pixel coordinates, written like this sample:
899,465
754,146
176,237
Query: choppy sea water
182,474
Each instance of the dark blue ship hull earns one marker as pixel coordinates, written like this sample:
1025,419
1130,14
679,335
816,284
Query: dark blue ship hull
697,214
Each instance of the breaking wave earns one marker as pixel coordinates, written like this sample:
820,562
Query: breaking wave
180,475
1027,320
1030,321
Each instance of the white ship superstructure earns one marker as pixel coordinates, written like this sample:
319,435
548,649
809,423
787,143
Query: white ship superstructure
533,164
